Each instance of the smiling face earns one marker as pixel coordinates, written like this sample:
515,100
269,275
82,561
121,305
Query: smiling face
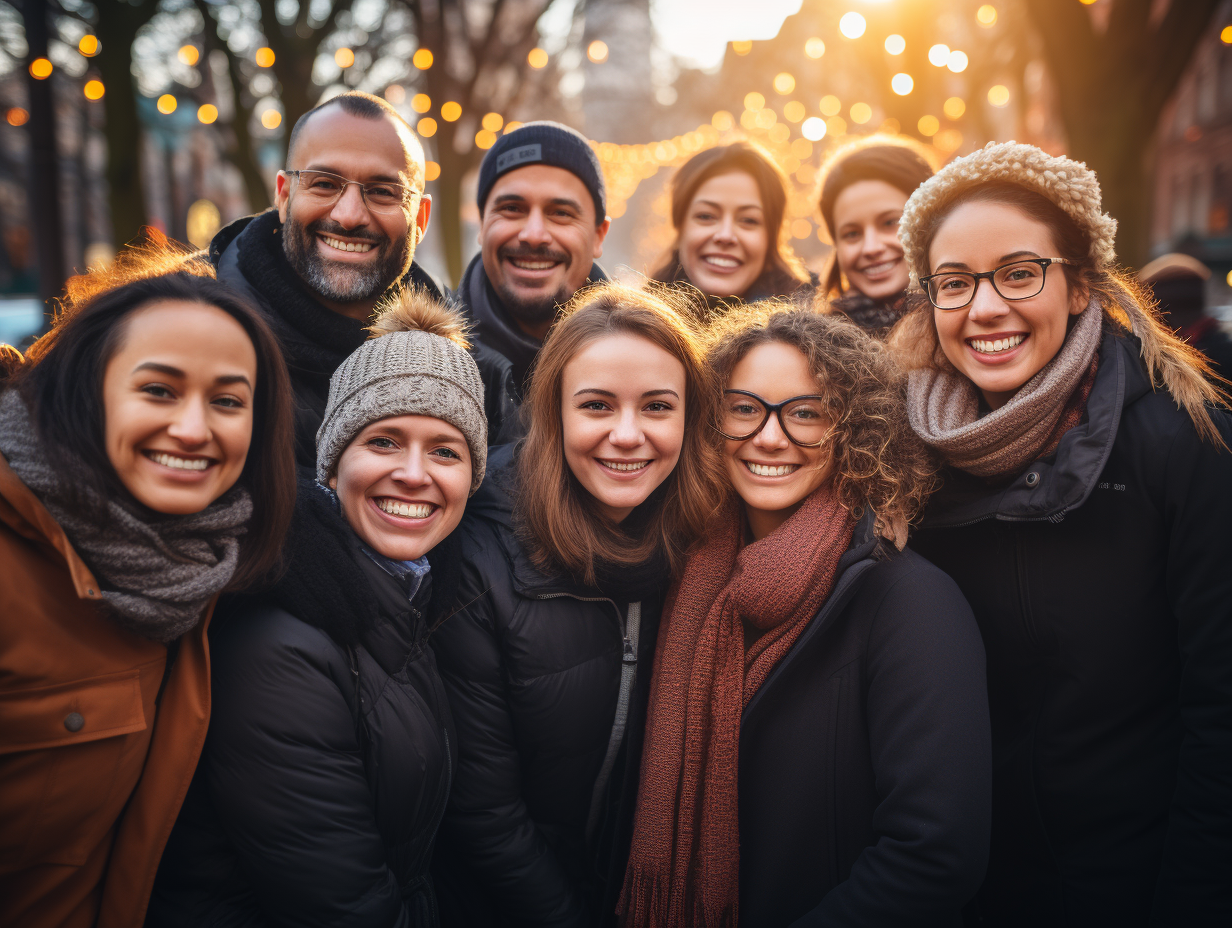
345,252
866,216
724,240
178,405
1000,344
403,483
623,415
539,239
771,474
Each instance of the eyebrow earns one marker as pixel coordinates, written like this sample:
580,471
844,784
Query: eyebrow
717,205
386,178
1000,261
600,392
170,371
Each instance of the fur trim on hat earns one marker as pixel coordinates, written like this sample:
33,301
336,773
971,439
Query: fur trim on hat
1069,184
416,310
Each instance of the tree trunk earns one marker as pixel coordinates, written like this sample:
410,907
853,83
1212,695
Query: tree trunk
447,211
44,191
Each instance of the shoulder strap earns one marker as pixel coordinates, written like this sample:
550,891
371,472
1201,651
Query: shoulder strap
628,673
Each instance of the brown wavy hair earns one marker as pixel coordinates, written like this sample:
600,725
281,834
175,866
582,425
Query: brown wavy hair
1172,362
557,517
879,462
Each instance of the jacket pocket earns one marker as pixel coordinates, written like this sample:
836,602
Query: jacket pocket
67,767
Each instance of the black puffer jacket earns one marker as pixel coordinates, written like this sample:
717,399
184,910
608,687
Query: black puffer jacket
315,340
532,665
1101,578
329,756
865,765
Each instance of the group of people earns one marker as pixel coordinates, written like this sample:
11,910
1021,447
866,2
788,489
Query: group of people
895,596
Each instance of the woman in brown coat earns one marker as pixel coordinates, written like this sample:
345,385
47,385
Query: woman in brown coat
145,467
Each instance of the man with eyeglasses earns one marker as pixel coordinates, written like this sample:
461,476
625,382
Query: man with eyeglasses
349,210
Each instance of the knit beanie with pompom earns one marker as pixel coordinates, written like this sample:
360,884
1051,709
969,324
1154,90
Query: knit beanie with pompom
1071,185
415,364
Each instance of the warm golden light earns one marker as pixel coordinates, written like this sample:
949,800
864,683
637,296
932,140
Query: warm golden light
836,125
512,126
93,90
954,107
928,125
742,47
948,140
207,114
1229,278
16,116
537,58
189,54
597,51
1225,36
271,119
902,84
958,62
784,83
40,69
754,101
485,139
895,44
493,122
426,127
813,129
344,57
421,103
202,222
998,95
803,148
986,15
814,47
167,104
88,45
939,55
395,93
1088,2
451,111
830,105
793,111
422,59
264,57
852,25
861,113
432,171
723,120
765,118
801,228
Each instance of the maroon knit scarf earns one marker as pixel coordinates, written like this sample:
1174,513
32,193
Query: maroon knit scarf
685,860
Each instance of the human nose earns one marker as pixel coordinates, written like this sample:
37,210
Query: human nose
412,468
189,426
534,230
771,436
349,209
986,302
726,232
627,432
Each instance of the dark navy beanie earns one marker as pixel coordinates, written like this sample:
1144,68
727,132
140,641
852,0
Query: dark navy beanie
547,143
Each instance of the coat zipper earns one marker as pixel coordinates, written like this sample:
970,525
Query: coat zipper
1024,599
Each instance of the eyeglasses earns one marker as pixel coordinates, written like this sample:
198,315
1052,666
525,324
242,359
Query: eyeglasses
802,418
1019,280
380,196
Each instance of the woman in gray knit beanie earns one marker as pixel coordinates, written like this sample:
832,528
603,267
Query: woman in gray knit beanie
1083,513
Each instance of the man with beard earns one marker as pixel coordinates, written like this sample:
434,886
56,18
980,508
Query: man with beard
349,210
543,220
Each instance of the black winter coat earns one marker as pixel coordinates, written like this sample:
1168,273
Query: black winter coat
532,665
315,340
865,761
310,808
1101,578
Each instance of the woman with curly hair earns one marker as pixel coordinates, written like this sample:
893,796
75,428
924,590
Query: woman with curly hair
817,746
1083,514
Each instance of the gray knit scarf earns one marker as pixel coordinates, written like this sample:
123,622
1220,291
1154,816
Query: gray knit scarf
944,407
157,573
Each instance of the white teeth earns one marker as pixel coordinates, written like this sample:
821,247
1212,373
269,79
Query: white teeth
761,470
169,460
395,507
533,265
720,261
992,346
347,246
874,269
618,465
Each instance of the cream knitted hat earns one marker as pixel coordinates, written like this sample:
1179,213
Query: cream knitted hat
1071,185
414,365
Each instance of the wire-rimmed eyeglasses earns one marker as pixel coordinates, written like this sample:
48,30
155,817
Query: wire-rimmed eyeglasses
1018,280
802,418
380,196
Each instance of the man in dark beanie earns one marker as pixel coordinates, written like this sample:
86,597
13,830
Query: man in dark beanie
543,213
349,210
1178,283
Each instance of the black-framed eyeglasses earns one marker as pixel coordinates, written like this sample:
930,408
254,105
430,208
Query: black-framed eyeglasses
802,418
1018,280
380,196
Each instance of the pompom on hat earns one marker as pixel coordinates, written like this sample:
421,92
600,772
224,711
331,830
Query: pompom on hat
415,364
1071,185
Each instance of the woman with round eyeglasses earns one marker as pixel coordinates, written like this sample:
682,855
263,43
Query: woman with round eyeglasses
817,750
1083,513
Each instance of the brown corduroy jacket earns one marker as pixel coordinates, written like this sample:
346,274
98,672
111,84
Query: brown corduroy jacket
94,763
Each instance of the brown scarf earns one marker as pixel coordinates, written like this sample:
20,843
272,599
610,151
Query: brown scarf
685,861
944,408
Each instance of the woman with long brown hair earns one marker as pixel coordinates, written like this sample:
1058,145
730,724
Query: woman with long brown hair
1084,513
568,550
817,745
729,208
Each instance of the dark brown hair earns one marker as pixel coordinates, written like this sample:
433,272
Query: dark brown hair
879,461
751,159
901,163
61,382
560,521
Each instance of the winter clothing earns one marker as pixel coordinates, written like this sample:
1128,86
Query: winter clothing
863,756
504,353
329,756
402,373
549,143
1099,578
159,572
944,407
1071,185
100,729
533,667
735,613
876,317
248,255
